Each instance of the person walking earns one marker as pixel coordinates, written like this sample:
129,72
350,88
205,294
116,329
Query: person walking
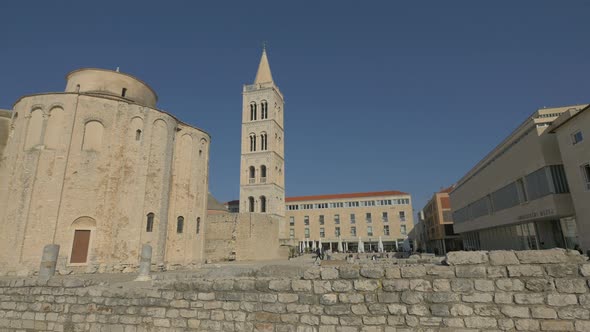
318,253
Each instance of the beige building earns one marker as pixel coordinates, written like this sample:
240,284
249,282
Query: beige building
517,197
99,170
570,129
438,224
349,217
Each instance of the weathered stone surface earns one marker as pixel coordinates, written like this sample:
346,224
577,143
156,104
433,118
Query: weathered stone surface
470,271
329,273
441,285
461,310
312,273
373,272
342,285
393,272
420,285
526,325
414,271
366,285
539,285
396,285
301,285
462,285
560,300
480,322
529,298
555,325
467,257
477,298
562,270
510,285
441,271
554,256
525,271
514,311
501,257
574,286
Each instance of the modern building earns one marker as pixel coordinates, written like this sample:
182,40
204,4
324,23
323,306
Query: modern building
99,170
418,234
351,217
438,224
571,130
517,197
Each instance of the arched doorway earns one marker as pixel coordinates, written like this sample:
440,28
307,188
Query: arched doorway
83,228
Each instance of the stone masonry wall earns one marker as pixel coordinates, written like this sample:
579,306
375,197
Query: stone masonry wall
475,291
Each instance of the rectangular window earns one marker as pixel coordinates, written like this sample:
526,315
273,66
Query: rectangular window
337,219
384,217
386,230
369,230
352,231
337,231
307,233
402,216
292,233
586,176
402,229
291,221
368,217
306,220
577,137
321,219
352,218
322,232
520,188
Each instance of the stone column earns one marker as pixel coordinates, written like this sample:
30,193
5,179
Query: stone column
48,261
145,263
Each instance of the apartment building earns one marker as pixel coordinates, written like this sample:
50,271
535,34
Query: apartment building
352,217
438,224
517,197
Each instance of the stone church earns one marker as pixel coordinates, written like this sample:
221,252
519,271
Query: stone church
99,170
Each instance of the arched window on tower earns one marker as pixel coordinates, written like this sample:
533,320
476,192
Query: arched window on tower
262,204
262,174
149,227
198,225
251,174
263,110
263,142
138,134
252,142
250,204
252,111
180,225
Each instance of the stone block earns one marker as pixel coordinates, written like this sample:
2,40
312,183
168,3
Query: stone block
441,285
341,285
397,309
480,322
440,310
509,285
462,285
337,310
418,310
329,320
387,297
543,312
372,272
526,325
477,298
539,285
556,325
582,326
297,308
503,257
359,309
288,297
561,300
392,272
312,273
280,285
396,285
442,297
483,285
351,321
470,271
430,321
366,285
411,297
573,313
497,272
321,286
441,271
223,285
467,257
420,285
378,309
310,320
525,271
562,270
349,272
486,310
571,286
329,273
461,310
529,298
413,271
514,311
301,285
453,323
351,298
551,256
585,270
329,299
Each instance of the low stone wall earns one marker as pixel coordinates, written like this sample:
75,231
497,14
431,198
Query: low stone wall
475,291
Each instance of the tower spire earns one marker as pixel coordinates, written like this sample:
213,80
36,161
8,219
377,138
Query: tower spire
263,75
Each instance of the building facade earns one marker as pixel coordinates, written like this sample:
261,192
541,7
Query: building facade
572,130
262,170
348,218
517,197
438,224
5,121
100,171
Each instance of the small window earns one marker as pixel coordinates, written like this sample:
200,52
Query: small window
252,111
520,187
586,176
368,217
198,225
402,216
138,134
577,137
352,218
321,219
386,230
251,204
353,231
337,219
292,233
291,221
123,92
402,229
180,225
369,230
306,220
322,232
307,233
262,204
150,223
384,217
337,231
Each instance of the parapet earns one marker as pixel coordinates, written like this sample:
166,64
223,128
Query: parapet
111,83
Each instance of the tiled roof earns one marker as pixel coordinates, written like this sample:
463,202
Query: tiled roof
349,195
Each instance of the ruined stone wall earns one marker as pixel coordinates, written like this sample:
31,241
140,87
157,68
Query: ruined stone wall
243,237
478,291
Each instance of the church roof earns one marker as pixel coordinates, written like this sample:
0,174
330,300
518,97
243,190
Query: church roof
263,75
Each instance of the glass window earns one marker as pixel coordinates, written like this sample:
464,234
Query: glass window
586,175
337,231
369,230
292,233
352,218
198,225
321,219
577,137
522,196
306,220
353,231
386,230
180,225
337,219
402,215
307,233
368,217
291,221
384,217
402,229
322,232
150,222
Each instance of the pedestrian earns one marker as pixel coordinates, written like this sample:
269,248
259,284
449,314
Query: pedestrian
318,253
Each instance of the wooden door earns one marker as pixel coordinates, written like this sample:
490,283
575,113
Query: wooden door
80,246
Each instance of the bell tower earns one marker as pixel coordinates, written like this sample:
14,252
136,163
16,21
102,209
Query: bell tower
262,170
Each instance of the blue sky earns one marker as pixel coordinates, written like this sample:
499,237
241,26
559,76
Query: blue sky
379,94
